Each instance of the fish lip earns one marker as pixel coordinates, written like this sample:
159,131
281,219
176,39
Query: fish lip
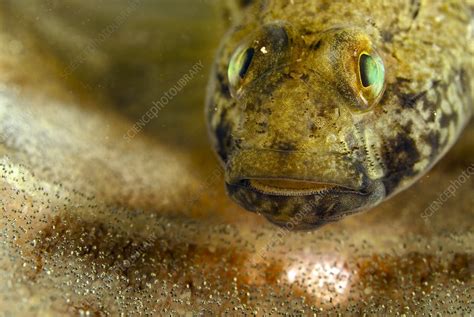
321,188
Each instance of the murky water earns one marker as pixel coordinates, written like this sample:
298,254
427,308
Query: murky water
95,223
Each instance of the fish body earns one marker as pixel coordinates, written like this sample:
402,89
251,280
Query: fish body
320,109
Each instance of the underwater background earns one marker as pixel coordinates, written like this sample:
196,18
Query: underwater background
106,211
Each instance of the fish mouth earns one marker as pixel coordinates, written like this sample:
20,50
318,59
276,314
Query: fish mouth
281,185
289,187
272,171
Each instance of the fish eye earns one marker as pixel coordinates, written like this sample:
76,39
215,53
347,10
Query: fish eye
371,77
239,64
258,55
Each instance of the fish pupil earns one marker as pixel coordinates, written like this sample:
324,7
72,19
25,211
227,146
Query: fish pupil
369,72
247,60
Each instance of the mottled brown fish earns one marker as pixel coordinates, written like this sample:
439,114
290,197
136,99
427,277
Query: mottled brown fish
319,109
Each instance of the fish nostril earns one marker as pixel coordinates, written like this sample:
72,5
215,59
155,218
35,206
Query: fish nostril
285,146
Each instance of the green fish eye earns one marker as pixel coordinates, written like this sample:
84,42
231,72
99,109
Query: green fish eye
239,65
372,74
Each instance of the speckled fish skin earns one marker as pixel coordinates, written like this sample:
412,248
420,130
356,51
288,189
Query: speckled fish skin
300,119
